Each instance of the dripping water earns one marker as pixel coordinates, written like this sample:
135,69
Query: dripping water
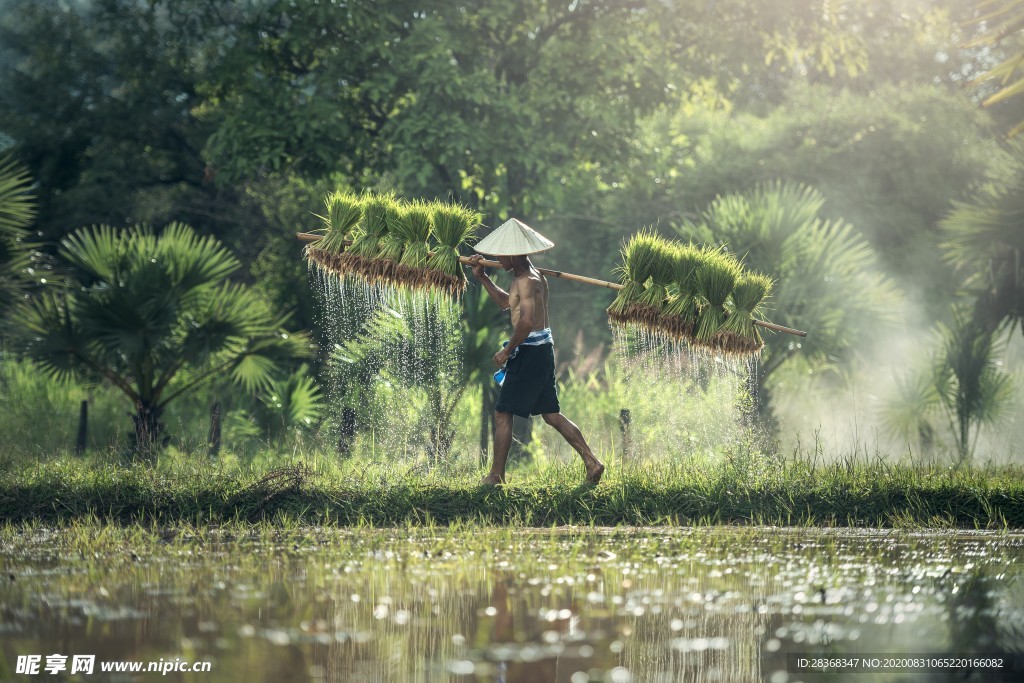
394,354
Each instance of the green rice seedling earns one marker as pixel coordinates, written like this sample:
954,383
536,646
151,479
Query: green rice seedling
651,302
454,225
392,245
714,282
739,335
679,318
366,242
414,227
639,256
344,213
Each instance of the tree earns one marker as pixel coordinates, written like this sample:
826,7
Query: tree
1002,22
424,356
971,386
154,315
828,277
885,162
490,102
985,243
99,99
17,209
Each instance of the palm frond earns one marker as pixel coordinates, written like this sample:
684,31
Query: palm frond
50,336
193,260
98,253
17,204
294,400
828,276
1002,20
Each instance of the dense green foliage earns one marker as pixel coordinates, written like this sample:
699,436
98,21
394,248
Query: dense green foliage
1003,22
153,315
588,119
17,209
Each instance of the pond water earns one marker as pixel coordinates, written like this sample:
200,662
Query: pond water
511,605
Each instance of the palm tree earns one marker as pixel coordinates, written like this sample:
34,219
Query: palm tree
17,209
828,279
985,242
971,387
387,351
155,316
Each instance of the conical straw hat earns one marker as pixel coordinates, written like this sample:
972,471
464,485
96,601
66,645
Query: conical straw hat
513,238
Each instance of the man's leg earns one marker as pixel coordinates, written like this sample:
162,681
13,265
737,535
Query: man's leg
502,442
571,433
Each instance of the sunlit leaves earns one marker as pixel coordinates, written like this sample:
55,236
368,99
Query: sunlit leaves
153,307
985,242
829,281
1002,22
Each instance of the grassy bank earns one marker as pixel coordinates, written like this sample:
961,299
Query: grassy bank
747,489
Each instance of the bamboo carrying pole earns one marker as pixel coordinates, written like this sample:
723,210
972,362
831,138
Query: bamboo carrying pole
312,237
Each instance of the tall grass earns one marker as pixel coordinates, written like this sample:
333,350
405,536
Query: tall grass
39,414
738,486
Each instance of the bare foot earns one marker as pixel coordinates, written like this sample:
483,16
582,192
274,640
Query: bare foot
492,480
594,473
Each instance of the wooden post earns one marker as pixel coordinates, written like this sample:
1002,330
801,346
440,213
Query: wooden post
213,440
83,425
627,439
348,432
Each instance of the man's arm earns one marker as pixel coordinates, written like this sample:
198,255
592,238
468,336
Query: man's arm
528,291
497,294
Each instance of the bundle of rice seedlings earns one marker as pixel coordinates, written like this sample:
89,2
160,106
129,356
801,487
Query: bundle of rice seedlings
359,259
679,318
738,334
650,305
714,281
454,225
384,266
414,227
344,212
639,255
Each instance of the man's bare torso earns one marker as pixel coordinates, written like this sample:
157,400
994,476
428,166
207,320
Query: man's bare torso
532,285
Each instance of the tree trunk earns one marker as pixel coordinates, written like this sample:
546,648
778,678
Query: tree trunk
148,430
83,426
347,433
213,439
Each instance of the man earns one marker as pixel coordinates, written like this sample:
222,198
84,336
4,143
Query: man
527,362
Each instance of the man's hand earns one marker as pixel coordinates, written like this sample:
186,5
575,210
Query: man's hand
478,268
501,357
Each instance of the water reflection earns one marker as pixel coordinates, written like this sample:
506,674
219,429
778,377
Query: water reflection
517,606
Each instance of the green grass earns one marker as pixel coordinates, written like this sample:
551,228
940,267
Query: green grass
740,488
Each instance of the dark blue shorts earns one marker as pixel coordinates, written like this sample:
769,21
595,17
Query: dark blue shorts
529,387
